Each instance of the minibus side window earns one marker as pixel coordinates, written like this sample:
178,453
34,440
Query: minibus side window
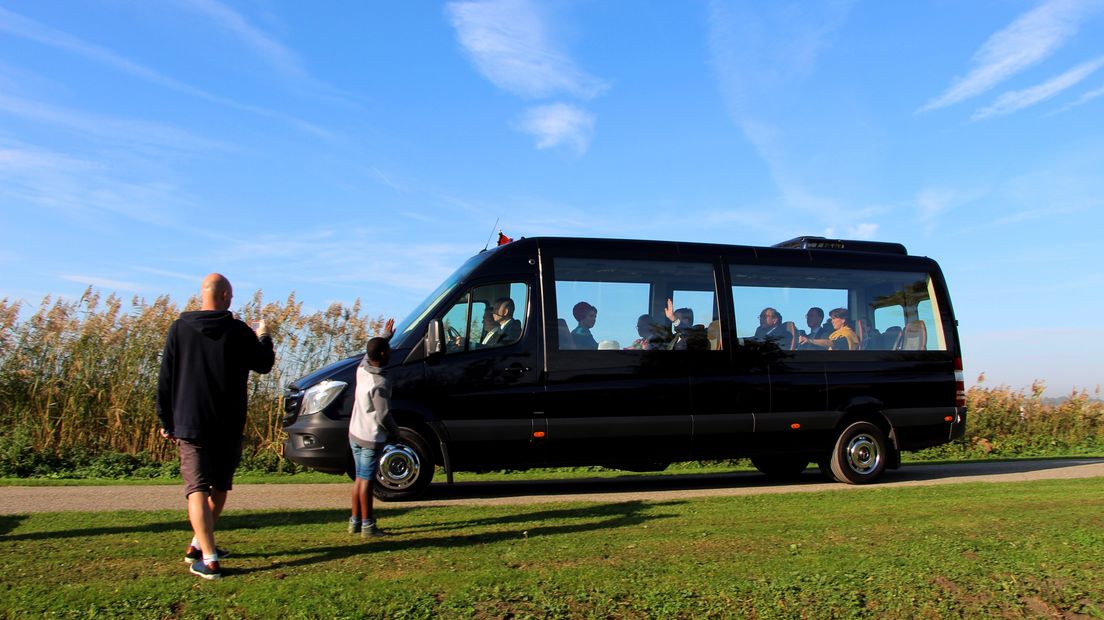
622,305
492,315
885,310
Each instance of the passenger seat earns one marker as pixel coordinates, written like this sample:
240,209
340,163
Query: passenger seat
791,333
890,337
566,341
914,337
861,332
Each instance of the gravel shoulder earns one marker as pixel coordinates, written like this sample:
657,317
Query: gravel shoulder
22,500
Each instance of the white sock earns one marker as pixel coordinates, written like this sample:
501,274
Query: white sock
207,559
195,542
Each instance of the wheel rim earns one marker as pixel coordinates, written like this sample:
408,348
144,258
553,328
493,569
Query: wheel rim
863,455
399,467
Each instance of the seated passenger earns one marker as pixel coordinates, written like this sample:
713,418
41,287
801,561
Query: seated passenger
682,322
842,338
713,333
814,318
651,335
586,315
697,338
770,328
505,329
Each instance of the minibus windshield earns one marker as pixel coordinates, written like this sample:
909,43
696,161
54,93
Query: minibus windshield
404,330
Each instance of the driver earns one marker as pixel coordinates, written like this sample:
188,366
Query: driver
504,328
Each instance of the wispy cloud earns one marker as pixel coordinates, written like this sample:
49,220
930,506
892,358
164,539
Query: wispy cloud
559,124
933,203
20,26
276,53
111,129
760,55
82,189
1020,99
104,283
864,230
1083,99
509,43
1028,40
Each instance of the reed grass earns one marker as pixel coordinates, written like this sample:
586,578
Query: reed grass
81,376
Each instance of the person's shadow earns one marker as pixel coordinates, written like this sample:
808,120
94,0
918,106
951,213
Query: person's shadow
234,521
586,519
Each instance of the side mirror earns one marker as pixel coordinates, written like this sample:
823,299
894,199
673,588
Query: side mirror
434,341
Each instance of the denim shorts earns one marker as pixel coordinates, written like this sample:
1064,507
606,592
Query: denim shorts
365,461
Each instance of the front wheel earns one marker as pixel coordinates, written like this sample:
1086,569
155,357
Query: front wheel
405,467
860,454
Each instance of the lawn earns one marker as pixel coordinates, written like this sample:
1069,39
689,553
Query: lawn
1027,549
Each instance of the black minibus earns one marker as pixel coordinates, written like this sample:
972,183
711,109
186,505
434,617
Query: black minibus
635,354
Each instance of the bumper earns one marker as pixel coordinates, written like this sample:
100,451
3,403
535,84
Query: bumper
321,444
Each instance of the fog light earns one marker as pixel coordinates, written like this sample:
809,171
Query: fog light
308,441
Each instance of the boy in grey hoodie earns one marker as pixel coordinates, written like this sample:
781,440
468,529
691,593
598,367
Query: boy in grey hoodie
370,429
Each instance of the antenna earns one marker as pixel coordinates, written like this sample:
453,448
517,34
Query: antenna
493,228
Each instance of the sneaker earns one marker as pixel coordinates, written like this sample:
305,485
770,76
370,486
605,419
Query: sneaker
205,570
354,526
195,553
370,530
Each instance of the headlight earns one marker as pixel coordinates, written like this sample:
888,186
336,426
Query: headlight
319,396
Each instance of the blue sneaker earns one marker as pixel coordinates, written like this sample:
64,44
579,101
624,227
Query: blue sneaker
195,553
370,530
206,570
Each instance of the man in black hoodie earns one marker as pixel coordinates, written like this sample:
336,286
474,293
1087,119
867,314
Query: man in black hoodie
201,401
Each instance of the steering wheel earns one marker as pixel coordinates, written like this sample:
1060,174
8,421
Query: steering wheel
453,333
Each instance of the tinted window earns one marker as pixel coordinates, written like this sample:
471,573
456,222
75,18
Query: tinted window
623,304
492,315
879,310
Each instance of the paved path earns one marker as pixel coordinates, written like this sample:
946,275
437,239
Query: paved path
20,500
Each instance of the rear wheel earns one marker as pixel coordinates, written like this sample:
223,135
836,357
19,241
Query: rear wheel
777,467
860,454
405,467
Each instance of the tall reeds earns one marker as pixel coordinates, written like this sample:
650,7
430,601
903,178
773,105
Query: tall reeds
83,374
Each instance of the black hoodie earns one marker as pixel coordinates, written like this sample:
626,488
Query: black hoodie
202,387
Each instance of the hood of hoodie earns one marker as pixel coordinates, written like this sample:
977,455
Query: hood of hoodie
211,323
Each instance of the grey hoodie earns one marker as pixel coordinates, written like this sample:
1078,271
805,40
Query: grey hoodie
372,425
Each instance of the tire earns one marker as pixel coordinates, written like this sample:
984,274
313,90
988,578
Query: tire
405,468
785,467
860,454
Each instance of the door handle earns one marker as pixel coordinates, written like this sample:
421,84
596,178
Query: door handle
516,370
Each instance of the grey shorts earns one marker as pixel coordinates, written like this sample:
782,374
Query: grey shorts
208,465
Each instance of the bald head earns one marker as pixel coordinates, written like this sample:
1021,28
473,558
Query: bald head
216,292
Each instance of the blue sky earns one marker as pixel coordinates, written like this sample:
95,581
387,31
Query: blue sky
344,150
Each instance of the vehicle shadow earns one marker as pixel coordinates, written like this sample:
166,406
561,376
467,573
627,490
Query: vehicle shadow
934,471
528,526
748,480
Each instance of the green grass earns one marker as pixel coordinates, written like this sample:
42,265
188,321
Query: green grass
1030,549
